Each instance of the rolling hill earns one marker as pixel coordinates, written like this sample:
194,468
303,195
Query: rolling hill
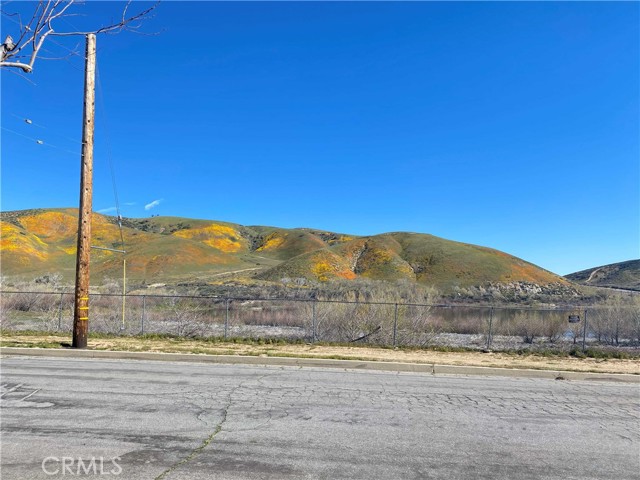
168,249
625,275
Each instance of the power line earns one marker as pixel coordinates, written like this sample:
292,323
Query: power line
29,121
103,116
38,141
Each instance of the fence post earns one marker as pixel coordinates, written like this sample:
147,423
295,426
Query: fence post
60,312
490,329
395,325
226,319
584,332
314,332
144,307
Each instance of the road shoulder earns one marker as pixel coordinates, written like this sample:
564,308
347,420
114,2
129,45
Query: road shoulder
427,368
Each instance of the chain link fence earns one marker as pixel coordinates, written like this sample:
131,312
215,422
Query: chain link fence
377,323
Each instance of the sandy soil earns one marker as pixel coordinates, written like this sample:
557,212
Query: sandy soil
496,359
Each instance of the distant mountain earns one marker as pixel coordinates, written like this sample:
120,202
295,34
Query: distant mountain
624,275
168,249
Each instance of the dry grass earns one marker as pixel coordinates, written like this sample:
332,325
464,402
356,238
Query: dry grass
175,345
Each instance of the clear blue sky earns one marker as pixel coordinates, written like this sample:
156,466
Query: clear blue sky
511,125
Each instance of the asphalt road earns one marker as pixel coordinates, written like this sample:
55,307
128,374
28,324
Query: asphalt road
162,420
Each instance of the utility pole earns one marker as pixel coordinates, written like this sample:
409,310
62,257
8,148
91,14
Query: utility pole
81,308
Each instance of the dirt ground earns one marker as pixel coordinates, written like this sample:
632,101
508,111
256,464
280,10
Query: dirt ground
493,359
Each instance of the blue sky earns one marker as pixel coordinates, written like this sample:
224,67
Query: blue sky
512,125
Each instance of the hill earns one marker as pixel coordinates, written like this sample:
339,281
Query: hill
625,275
169,249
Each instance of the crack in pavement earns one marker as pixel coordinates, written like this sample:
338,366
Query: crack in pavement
196,451
206,441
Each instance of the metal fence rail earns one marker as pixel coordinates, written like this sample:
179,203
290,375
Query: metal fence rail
497,327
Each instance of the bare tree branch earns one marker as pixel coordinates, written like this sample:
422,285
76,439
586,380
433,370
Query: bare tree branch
123,24
41,26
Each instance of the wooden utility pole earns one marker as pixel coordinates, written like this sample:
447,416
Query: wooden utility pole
81,308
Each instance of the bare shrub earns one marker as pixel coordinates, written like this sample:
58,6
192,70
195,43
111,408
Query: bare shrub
50,279
7,319
464,320
554,325
186,317
634,321
576,330
270,313
349,322
365,290
33,310
616,322
50,320
28,301
106,313
417,326
529,325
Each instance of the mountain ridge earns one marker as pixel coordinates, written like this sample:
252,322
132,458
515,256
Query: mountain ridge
174,248
624,275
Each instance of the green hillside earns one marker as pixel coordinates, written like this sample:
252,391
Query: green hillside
169,249
418,257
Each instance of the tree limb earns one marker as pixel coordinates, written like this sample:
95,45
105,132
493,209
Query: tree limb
40,27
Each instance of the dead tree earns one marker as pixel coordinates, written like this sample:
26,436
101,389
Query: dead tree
49,19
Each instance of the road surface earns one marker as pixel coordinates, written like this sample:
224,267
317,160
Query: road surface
162,420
